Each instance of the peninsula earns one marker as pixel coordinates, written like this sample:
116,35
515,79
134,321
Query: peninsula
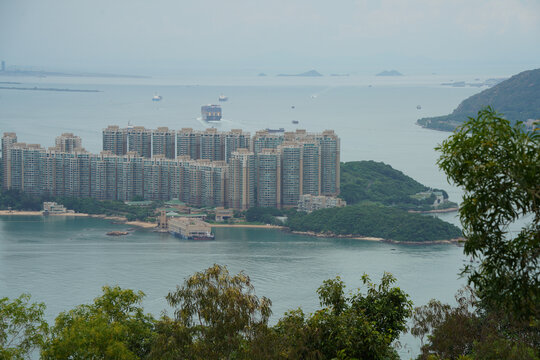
518,98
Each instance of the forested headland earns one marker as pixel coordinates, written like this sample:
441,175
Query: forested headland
373,220
378,182
518,98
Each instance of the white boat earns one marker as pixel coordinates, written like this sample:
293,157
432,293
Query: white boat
156,97
223,98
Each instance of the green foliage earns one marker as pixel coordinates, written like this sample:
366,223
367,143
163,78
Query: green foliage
22,328
216,316
17,200
108,207
518,98
355,326
372,181
265,215
375,221
113,327
467,332
498,167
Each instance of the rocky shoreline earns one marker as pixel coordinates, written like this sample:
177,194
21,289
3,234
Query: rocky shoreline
455,241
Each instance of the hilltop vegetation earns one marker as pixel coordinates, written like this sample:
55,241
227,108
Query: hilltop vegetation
518,98
374,220
380,183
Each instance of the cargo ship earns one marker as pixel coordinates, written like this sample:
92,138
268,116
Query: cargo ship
211,112
190,229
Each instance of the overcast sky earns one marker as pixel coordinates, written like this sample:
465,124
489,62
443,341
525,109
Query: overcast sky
157,36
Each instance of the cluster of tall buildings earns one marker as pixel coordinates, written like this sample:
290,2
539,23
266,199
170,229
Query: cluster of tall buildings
201,168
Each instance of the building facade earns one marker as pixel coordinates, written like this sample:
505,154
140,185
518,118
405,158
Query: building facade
115,140
208,168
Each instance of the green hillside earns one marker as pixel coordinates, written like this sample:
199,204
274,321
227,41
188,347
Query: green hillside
375,221
370,181
518,98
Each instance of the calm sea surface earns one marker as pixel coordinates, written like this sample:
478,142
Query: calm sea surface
65,261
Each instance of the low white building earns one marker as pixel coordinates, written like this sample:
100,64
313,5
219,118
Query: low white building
54,208
309,203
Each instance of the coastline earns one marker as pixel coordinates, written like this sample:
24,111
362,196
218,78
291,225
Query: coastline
455,241
435,211
142,224
248,226
148,225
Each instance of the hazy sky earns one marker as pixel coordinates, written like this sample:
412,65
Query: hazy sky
157,36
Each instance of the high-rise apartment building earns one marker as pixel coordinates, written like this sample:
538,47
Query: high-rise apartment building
291,173
330,162
115,140
8,139
25,172
242,180
265,139
268,178
163,142
311,167
140,141
234,140
188,143
212,145
67,142
282,169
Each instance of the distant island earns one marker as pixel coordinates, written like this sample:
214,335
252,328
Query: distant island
518,98
389,73
339,74
311,73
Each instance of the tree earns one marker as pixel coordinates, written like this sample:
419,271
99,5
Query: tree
498,167
216,316
357,326
113,327
467,332
22,328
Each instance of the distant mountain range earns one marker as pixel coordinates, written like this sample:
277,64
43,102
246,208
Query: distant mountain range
307,73
517,99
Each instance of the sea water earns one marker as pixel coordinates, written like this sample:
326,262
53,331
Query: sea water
64,261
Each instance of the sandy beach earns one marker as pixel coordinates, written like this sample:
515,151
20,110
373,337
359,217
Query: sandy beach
143,224
122,219
36,213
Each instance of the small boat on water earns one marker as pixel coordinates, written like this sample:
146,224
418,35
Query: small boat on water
223,98
295,121
156,97
418,107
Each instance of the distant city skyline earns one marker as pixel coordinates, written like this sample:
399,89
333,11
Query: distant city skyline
247,37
